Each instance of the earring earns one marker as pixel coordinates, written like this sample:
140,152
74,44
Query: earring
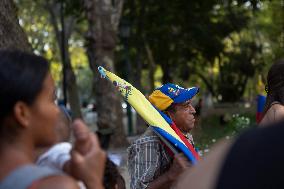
266,88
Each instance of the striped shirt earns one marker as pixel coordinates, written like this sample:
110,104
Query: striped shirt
147,160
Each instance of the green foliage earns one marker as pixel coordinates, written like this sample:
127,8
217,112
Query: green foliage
238,123
239,63
271,24
218,45
35,20
187,37
211,130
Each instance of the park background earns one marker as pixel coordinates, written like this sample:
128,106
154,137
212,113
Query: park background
225,47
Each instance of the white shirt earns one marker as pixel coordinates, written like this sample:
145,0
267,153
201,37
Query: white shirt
56,156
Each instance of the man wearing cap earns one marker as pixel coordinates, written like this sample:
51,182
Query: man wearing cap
151,164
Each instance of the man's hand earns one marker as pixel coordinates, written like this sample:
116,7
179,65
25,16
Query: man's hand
179,165
165,181
87,158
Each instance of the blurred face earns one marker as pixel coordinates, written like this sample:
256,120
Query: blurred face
45,114
183,116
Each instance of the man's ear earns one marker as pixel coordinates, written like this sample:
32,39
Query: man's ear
168,113
22,114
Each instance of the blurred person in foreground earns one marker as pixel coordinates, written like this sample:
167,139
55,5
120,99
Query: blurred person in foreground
253,161
28,118
150,163
274,105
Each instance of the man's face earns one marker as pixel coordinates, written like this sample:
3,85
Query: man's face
183,116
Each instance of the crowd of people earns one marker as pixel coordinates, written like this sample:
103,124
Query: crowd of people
36,149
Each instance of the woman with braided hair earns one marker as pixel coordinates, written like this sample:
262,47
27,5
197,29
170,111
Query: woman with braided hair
274,106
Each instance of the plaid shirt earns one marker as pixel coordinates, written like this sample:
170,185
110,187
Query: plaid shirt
147,160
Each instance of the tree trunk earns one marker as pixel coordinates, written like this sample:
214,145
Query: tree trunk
101,41
12,35
138,38
72,87
57,17
167,77
140,123
208,84
152,66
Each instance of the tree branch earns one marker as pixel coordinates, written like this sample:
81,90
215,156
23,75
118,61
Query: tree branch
207,83
152,64
117,12
51,8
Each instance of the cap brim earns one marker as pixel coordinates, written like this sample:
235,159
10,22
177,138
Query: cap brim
186,94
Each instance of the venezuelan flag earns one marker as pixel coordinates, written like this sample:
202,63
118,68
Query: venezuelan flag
159,121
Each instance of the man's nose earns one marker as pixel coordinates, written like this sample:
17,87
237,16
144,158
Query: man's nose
192,109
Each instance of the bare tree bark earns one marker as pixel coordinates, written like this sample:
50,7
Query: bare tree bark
103,19
140,123
12,35
152,65
72,89
167,75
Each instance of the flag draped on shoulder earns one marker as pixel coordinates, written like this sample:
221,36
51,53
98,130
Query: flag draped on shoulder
159,121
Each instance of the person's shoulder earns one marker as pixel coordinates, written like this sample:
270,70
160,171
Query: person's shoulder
276,111
149,136
277,107
274,114
148,140
34,177
55,182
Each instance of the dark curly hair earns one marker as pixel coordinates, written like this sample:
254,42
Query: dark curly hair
112,177
275,84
